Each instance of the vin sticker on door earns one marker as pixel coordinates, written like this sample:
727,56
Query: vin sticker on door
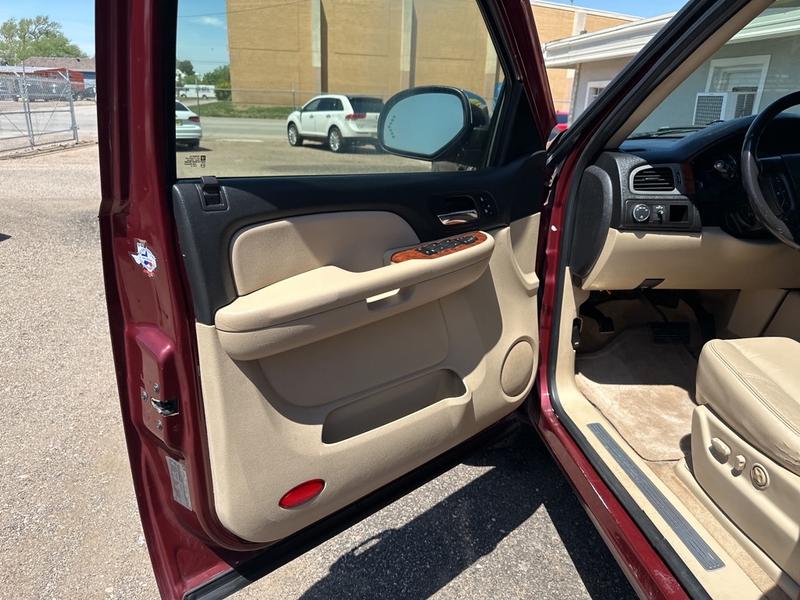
180,483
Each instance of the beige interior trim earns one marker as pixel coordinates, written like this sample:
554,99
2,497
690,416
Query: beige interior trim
697,58
752,384
769,516
786,584
368,401
329,300
729,581
354,241
732,581
786,322
752,312
709,260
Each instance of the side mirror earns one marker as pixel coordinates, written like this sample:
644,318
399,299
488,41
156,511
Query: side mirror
433,123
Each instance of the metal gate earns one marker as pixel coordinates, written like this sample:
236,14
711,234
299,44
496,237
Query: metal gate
35,110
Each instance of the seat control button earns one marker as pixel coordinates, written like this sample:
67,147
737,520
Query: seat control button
720,450
739,463
759,476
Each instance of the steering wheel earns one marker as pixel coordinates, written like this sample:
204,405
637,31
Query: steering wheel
772,184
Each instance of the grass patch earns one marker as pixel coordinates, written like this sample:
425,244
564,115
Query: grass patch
229,109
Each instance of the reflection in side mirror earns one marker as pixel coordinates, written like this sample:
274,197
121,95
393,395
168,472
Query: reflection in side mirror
425,122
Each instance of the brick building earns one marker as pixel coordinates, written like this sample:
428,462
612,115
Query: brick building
285,52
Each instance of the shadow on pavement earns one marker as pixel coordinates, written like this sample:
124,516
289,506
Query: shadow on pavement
421,557
354,149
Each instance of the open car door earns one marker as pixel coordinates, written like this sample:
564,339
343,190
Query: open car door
292,342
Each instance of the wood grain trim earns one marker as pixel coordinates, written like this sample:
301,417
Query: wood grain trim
415,254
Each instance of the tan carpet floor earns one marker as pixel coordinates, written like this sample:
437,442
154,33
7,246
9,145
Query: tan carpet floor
645,390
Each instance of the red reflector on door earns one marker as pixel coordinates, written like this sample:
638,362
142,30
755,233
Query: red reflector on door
302,493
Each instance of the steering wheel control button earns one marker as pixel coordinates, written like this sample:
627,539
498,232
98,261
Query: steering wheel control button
641,213
759,476
720,450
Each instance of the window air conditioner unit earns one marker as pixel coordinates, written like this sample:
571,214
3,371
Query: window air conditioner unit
709,107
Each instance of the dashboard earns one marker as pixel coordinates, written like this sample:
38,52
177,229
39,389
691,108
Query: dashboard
634,200
701,171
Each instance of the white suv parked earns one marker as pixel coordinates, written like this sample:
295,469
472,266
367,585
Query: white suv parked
340,121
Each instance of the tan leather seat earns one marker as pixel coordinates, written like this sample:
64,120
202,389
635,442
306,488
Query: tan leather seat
753,385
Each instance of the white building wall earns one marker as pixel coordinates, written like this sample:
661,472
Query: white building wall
589,73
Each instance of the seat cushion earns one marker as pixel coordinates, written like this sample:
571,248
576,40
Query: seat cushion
753,385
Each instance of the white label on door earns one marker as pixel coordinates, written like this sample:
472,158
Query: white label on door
180,483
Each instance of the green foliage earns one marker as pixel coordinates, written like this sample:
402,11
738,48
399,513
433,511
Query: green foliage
19,40
186,67
220,77
223,91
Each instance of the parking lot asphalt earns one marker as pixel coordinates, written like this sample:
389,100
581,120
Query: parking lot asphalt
252,147
502,524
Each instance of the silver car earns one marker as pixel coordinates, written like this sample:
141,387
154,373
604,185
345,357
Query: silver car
188,130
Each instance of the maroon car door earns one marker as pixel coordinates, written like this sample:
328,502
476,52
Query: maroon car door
301,335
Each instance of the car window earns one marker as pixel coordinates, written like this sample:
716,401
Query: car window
180,107
366,105
327,104
266,59
758,65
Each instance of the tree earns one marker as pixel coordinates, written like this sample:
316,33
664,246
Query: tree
187,76
40,36
219,76
186,67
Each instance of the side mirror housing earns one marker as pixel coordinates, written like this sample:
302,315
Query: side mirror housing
433,123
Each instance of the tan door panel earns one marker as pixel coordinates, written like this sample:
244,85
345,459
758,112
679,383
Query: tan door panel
354,241
329,300
312,377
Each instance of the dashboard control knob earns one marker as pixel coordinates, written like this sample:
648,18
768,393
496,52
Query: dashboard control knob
641,213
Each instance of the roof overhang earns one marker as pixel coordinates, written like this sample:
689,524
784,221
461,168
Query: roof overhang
626,40
606,44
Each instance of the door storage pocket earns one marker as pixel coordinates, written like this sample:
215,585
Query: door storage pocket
391,404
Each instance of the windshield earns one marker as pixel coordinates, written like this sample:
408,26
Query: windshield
760,64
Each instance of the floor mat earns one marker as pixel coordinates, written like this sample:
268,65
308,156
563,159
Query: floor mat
644,389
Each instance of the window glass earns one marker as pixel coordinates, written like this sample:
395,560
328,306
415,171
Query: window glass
758,65
245,67
363,104
327,104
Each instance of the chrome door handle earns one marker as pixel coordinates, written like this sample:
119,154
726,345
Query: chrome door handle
458,217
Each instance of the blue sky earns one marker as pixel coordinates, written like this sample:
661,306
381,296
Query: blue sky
638,8
202,36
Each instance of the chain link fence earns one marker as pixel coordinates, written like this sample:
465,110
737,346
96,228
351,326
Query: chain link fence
35,111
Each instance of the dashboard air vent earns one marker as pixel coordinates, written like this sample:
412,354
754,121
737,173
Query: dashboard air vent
654,179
